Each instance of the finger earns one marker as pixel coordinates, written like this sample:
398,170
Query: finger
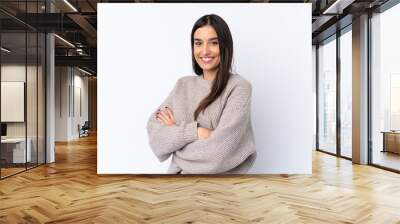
171,114
156,113
159,117
164,117
165,110
163,120
164,114
159,120
169,110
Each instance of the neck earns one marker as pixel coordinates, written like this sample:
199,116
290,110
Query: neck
209,75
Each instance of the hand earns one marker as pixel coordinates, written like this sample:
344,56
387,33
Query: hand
203,133
166,116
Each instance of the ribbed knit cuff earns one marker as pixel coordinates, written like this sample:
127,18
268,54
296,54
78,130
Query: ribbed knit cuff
190,132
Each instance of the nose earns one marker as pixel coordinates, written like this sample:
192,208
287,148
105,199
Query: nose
205,50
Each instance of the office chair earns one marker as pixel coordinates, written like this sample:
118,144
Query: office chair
84,130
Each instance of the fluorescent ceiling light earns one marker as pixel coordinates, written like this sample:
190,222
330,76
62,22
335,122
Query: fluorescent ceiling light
337,7
331,7
65,41
84,71
5,49
70,5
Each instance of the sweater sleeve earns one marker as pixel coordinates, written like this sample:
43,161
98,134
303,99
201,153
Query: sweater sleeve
229,145
164,139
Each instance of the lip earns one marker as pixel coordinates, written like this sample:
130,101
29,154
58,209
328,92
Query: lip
207,60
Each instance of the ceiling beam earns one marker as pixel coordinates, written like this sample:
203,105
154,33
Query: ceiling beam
86,26
85,61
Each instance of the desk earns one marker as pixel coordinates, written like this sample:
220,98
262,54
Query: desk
15,148
391,141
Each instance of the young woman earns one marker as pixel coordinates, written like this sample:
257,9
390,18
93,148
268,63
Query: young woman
204,123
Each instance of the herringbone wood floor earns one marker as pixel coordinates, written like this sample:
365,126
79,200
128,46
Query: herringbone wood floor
70,191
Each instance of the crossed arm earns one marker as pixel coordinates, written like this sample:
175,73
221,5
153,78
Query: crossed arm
206,151
166,135
166,117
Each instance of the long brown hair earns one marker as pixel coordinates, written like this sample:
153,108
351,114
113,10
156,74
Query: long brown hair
226,54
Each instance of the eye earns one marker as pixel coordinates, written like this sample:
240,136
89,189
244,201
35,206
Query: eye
214,43
198,43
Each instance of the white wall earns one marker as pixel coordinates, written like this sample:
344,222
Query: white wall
61,103
67,84
137,68
314,86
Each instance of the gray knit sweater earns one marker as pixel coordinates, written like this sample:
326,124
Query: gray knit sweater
229,149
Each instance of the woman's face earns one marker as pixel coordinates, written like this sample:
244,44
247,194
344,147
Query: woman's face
206,48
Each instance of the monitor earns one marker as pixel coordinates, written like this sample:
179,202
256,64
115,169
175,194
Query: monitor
3,129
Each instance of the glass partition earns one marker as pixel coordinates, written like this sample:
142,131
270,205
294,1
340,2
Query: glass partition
32,95
41,85
346,94
22,67
385,89
327,96
13,105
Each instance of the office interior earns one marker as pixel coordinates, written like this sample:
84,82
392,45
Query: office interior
48,77
48,81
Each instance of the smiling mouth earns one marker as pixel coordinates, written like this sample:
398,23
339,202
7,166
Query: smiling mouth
206,59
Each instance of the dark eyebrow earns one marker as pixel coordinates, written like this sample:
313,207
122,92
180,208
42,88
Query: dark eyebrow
214,38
